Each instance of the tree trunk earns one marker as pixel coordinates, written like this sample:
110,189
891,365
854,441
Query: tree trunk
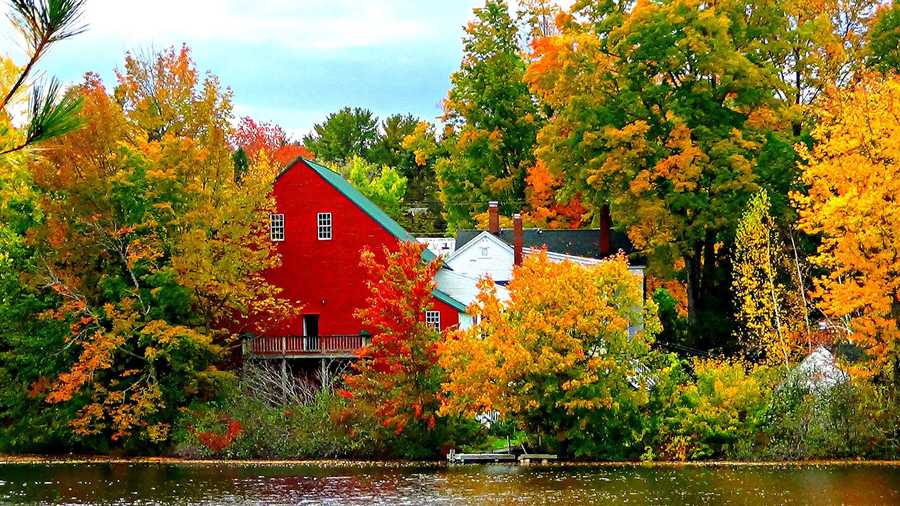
709,267
693,265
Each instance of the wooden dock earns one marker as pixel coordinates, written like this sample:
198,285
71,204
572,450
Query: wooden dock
536,458
475,458
483,458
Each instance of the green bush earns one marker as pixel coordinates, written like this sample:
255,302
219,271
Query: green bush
720,414
732,410
241,427
853,419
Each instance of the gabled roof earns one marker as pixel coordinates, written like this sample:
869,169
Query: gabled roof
355,196
376,213
581,242
474,240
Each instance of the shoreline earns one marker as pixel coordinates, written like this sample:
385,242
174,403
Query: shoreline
92,459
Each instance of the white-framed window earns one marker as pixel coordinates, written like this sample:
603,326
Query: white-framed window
276,227
323,225
433,319
484,251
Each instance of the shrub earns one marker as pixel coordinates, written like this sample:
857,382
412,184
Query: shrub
719,415
243,427
852,419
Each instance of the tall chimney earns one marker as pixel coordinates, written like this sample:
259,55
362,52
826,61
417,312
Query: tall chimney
517,239
605,231
493,218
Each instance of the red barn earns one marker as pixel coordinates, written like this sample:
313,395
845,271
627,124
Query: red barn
321,226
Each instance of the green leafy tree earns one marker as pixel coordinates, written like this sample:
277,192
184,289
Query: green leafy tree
343,134
883,50
388,149
421,191
382,185
492,119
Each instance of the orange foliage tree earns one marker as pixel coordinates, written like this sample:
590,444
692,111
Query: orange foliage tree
562,358
155,253
853,206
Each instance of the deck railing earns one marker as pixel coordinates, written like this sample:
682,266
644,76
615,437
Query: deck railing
306,345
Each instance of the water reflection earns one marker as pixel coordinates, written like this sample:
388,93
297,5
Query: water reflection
492,484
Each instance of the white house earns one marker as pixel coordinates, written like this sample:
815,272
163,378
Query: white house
494,252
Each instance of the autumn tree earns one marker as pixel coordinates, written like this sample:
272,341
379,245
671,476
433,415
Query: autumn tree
347,132
153,253
396,379
768,291
492,120
256,138
662,111
33,111
851,205
544,209
562,358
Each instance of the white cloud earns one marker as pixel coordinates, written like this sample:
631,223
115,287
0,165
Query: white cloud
307,24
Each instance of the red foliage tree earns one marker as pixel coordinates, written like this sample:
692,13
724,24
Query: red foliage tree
269,138
396,378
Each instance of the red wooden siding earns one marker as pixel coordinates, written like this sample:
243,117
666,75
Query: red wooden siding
325,275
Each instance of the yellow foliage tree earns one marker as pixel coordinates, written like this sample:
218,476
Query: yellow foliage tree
853,206
562,357
768,302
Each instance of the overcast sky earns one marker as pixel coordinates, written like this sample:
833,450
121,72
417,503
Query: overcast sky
287,61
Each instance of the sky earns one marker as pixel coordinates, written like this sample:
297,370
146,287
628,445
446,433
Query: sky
291,62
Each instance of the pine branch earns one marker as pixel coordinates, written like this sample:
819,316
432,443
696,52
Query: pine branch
51,115
42,23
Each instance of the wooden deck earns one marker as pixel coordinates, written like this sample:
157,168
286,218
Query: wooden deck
340,346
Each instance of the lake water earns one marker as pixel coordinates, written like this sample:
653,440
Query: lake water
132,483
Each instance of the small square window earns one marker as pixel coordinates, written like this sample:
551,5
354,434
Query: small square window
276,227
323,223
433,319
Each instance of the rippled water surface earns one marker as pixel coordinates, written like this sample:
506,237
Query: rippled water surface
492,484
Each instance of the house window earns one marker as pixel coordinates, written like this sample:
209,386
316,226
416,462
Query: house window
323,222
276,227
433,319
484,251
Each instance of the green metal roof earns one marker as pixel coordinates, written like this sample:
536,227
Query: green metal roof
377,214
446,298
344,186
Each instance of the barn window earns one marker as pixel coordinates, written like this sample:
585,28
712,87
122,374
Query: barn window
323,222
276,227
433,319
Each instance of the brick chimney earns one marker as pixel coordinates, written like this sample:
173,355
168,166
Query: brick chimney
493,218
605,231
517,239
